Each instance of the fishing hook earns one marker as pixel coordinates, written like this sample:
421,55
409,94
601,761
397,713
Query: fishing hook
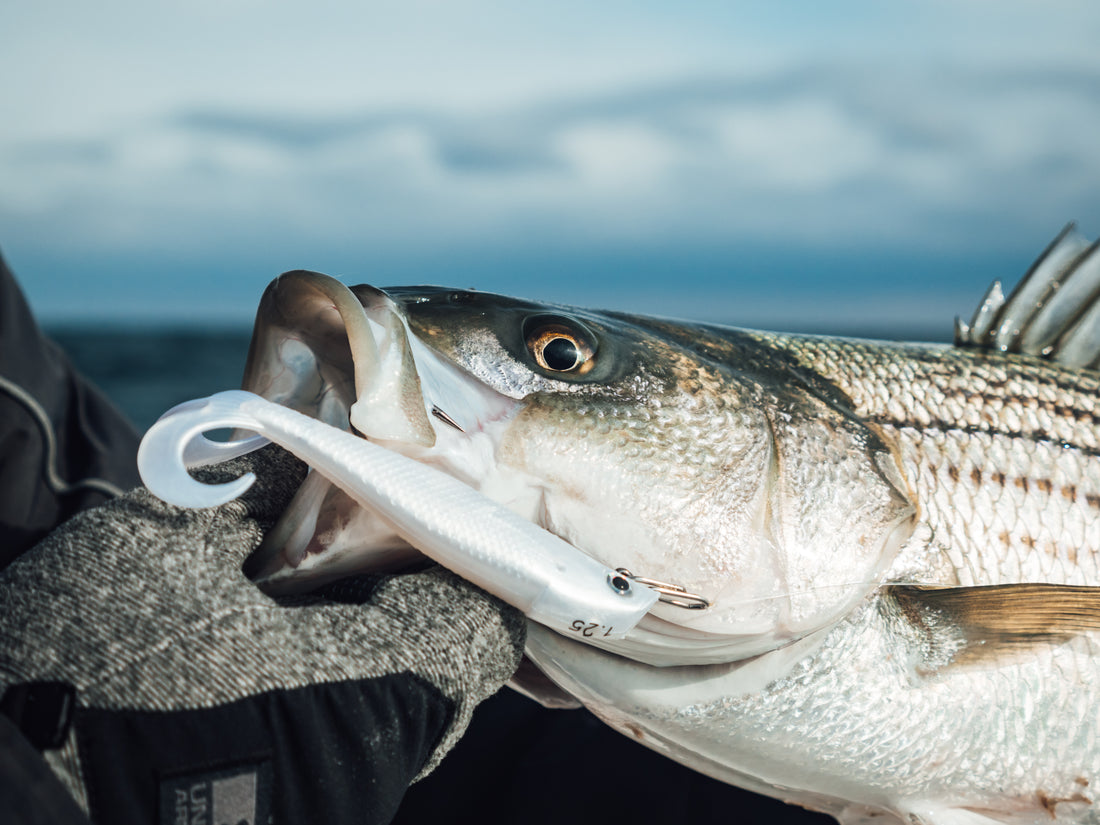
672,594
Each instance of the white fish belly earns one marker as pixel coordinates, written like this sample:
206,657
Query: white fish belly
857,724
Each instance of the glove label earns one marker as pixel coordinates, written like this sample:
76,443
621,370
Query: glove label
240,795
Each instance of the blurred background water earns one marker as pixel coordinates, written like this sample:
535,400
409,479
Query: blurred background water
146,371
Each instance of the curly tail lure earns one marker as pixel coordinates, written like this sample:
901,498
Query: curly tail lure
548,579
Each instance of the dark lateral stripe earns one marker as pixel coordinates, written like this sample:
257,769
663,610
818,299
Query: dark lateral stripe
1082,404
978,476
994,374
944,426
948,363
1062,412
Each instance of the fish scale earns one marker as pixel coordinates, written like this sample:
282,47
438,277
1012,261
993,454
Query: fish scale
1029,438
876,735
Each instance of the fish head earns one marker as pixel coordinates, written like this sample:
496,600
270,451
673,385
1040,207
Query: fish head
689,455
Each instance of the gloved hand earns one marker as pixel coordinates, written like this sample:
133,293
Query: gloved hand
194,691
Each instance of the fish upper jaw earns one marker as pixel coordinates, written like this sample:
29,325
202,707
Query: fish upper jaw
418,403
415,401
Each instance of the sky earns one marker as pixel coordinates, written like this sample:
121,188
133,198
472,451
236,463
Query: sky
798,165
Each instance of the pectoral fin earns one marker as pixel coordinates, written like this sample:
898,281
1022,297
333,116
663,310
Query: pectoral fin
972,624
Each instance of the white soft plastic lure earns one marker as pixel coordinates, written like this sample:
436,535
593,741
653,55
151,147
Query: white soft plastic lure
552,582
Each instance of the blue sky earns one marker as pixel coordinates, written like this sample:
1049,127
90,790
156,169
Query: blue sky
791,165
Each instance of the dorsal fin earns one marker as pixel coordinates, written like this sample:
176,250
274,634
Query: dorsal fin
969,624
1053,313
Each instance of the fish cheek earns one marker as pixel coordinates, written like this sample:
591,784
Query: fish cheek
672,488
551,440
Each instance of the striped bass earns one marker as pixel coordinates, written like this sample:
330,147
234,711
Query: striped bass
879,563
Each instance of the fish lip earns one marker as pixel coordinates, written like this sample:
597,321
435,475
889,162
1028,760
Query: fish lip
459,421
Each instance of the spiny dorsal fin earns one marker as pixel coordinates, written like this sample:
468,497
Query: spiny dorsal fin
969,624
1053,313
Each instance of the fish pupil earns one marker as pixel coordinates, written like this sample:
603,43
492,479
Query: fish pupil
560,354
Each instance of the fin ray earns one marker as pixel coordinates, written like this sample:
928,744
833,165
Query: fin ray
1079,345
1035,288
987,312
1053,313
1068,298
966,624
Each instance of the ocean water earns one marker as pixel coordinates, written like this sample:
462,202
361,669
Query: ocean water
147,371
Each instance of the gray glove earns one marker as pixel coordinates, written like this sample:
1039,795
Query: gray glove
194,689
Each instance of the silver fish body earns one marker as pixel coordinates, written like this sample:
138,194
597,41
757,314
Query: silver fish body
881,716
897,544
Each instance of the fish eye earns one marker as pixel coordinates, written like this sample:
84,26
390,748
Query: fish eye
559,346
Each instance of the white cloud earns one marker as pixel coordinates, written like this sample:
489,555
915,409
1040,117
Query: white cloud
796,145
812,154
220,129
624,158
817,152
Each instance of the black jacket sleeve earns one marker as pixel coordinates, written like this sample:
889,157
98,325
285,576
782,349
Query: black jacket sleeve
56,432
63,445
30,793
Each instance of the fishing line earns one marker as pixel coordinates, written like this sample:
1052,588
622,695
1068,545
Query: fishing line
818,587
50,474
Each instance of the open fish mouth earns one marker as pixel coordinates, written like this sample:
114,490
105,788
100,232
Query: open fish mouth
346,356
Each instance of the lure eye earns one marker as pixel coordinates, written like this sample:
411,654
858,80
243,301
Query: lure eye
558,346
